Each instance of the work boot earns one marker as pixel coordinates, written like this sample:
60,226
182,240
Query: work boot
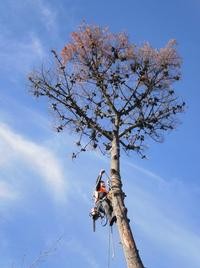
113,219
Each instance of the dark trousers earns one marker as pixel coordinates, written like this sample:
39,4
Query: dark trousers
104,206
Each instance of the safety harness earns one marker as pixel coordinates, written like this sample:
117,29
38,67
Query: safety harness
96,213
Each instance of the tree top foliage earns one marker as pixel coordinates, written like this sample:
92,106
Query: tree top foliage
103,85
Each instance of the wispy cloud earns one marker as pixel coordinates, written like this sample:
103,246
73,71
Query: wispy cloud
20,55
146,172
35,46
7,193
167,231
48,15
76,246
39,158
161,209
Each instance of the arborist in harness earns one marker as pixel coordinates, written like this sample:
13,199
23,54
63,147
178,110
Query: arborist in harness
102,199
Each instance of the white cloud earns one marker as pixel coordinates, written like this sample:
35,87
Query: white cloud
6,192
48,15
161,209
36,47
146,172
39,158
169,233
76,246
20,55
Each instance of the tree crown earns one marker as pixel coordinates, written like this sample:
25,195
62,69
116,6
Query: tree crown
104,85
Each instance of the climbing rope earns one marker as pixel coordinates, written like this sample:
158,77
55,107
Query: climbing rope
108,180
110,245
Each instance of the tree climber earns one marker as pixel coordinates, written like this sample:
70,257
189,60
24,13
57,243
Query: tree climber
102,199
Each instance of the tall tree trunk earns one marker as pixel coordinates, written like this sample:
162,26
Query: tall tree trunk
130,251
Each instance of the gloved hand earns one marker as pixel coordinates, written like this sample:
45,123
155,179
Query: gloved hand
101,172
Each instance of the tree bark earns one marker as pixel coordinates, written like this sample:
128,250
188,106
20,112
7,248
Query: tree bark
130,250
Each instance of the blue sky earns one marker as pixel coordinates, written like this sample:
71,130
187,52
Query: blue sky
44,195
